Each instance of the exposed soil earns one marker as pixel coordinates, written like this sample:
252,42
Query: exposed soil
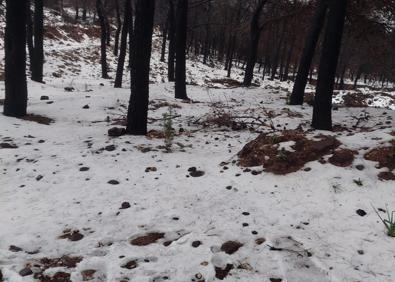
147,239
38,118
265,150
385,156
343,157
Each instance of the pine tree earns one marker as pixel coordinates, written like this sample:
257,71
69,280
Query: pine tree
322,113
140,67
15,102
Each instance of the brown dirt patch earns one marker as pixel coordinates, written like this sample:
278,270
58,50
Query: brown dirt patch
88,274
155,134
356,100
385,156
58,277
154,105
72,235
343,157
309,98
227,82
230,247
46,263
386,175
265,150
222,273
38,118
147,239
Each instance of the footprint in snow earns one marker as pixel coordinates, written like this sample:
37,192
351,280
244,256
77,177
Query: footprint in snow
297,263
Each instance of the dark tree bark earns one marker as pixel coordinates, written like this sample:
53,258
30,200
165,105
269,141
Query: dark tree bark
77,10
141,56
127,22
29,33
37,66
277,53
164,39
103,38
255,34
289,57
207,39
15,103
119,28
172,42
131,30
181,45
84,10
297,95
322,112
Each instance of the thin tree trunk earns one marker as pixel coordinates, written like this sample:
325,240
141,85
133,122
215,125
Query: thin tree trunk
141,56
297,95
255,33
124,43
119,28
15,103
181,44
103,39
164,39
322,112
37,67
172,42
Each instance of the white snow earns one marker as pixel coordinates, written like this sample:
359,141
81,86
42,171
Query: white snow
310,215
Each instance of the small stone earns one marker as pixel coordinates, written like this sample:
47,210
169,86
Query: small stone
196,244
86,107
15,249
245,213
230,247
130,265
125,205
39,177
76,236
25,272
360,167
197,173
361,212
361,252
69,89
84,168
260,241
113,182
110,148
192,169
116,131
44,98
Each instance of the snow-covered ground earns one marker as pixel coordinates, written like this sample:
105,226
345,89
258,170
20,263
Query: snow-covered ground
69,178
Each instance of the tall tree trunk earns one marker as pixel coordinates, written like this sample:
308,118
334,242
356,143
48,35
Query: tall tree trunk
277,52
164,39
29,33
172,42
127,22
181,44
103,39
38,50
207,38
15,102
297,95
84,10
77,10
141,56
119,28
289,57
322,112
255,34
